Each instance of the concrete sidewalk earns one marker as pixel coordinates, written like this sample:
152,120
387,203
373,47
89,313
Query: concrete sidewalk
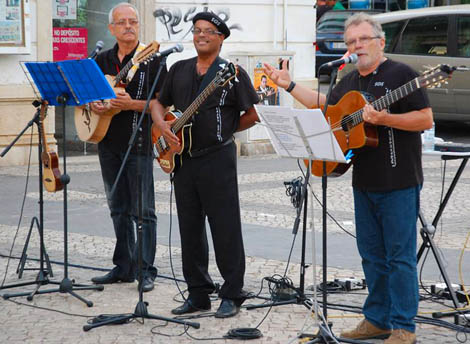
60,317
266,214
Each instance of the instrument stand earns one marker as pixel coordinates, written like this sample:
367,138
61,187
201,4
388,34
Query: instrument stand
60,84
140,310
24,256
428,230
42,277
66,285
300,299
305,139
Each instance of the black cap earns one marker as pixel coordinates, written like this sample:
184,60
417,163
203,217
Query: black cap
213,19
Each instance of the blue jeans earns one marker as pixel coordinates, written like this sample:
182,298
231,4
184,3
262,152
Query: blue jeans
123,205
386,238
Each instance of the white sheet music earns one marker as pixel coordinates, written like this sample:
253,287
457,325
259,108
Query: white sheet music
295,133
282,130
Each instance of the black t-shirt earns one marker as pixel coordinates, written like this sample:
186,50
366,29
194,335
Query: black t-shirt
396,162
122,124
218,116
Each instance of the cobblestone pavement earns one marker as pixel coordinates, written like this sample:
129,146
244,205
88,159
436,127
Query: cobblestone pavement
264,203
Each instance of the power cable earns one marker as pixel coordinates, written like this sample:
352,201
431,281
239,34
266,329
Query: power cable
22,207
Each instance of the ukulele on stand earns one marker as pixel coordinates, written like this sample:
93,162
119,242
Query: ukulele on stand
50,159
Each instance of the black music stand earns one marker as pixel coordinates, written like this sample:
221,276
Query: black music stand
302,135
65,83
427,231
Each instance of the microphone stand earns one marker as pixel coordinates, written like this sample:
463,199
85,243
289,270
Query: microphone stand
324,334
141,310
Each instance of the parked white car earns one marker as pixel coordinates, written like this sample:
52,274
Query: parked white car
426,37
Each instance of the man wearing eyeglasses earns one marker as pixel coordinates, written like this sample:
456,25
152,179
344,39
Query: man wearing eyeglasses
206,182
386,180
130,100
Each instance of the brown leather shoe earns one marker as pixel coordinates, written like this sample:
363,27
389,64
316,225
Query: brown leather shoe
366,330
401,336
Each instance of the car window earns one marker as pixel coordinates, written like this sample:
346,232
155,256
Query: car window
333,21
392,32
425,36
463,34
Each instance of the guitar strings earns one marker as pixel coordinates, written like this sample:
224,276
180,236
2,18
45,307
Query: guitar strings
387,99
380,104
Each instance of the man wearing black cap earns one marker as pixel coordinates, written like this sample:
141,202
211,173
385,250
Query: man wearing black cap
206,182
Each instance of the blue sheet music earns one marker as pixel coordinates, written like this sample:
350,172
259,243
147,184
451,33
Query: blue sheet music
81,81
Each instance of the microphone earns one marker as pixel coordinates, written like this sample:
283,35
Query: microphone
98,47
350,59
176,49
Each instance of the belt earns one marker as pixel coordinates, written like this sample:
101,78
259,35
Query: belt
203,151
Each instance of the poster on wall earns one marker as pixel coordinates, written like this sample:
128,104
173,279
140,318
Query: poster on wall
64,9
266,89
11,23
69,43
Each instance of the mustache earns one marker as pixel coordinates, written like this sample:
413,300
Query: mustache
130,30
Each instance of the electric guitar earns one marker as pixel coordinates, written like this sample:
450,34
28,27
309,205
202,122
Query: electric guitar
50,160
165,152
92,127
348,124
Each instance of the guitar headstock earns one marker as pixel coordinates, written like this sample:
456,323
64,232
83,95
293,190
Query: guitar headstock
43,111
226,74
147,53
434,77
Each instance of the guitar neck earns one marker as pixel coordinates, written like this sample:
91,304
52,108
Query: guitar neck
396,95
189,112
388,99
43,131
122,74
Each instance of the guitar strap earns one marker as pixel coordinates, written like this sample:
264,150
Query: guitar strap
134,68
218,64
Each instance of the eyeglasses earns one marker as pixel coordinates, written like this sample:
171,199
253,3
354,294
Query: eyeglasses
362,40
123,22
205,32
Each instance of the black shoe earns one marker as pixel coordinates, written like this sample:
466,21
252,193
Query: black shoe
227,309
111,277
147,284
189,307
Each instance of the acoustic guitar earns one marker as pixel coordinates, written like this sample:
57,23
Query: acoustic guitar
50,160
165,152
348,124
92,127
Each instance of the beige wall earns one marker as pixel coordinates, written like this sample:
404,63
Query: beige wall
17,95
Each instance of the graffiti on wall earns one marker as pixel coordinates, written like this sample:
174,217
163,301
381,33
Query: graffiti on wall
178,25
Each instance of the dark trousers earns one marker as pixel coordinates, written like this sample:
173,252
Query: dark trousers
123,205
208,186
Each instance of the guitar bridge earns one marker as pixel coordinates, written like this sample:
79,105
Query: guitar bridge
162,144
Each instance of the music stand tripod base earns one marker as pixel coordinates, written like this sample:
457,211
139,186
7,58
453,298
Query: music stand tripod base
60,84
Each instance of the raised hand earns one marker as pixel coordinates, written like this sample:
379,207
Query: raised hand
280,77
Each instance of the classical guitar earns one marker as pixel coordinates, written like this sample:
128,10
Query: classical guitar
348,124
92,127
165,152
50,160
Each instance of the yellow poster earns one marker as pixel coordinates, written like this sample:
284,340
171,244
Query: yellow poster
266,89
